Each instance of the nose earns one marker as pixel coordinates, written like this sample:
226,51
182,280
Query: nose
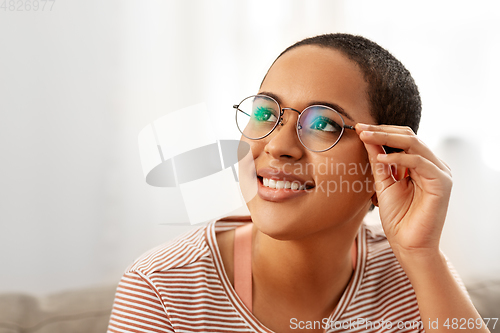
283,142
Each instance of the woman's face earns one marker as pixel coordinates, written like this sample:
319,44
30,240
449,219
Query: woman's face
341,179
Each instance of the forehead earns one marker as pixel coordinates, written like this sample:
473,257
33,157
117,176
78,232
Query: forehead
311,73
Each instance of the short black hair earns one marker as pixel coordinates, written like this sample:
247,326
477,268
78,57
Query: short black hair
392,92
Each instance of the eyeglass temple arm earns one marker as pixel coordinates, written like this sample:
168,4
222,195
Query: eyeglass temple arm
350,127
235,106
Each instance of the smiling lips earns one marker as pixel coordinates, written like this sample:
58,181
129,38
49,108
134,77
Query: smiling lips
275,185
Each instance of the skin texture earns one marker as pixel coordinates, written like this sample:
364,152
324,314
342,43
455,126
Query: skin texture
301,261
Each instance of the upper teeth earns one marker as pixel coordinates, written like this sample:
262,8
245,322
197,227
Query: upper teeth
277,184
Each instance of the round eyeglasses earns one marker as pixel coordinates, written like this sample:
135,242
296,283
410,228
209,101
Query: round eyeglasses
319,127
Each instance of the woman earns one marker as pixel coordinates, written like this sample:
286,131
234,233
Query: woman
304,260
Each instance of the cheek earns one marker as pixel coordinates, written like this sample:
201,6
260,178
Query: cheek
256,146
247,175
345,181
346,174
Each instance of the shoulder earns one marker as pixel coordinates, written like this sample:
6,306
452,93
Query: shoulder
180,252
384,292
142,292
384,280
187,250
380,259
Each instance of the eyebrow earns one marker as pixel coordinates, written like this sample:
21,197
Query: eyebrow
334,106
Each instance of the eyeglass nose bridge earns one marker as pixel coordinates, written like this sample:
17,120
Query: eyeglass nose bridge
282,112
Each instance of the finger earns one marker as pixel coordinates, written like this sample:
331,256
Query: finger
381,171
405,130
418,166
398,171
386,128
409,143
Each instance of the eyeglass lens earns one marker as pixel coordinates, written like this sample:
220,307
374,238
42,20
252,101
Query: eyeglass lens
319,127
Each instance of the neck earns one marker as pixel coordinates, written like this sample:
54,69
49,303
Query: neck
313,270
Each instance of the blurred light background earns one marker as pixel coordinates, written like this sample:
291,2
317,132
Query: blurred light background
78,83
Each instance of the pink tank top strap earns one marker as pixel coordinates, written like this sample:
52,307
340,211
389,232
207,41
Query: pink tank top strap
243,264
354,253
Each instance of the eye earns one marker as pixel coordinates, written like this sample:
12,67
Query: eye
325,124
264,114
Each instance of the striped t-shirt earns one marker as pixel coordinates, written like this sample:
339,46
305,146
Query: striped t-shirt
182,287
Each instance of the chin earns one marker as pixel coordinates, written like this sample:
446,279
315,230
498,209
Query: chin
280,227
281,234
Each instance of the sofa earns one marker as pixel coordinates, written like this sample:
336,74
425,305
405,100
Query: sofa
88,310
73,311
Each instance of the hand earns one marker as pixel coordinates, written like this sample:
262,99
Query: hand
412,209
